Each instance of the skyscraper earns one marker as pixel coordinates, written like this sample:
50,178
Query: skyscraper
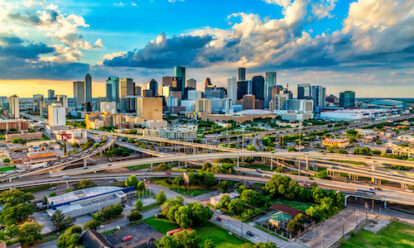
304,91
63,100
78,93
242,89
179,72
207,83
138,90
88,88
270,82
318,96
38,103
192,83
167,81
241,74
14,107
347,99
258,90
232,89
112,89
153,86
127,87
50,94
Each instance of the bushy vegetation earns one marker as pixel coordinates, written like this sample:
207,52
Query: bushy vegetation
191,215
109,213
117,152
85,183
185,239
70,238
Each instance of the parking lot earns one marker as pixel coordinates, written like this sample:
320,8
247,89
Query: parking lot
141,233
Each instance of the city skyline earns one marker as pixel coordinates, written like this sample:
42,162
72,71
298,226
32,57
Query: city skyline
50,45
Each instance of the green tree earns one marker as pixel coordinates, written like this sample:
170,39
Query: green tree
29,232
134,215
109,213
15,197
131,181
161,198
140,186
60,221
259,245
6,160
138,205
251,148
13,214
92,225
251,197
209,180
86,183
70,238
208,244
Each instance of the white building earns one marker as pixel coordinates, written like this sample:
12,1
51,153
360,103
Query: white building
232,88
216,199
86,201
57,115
14,107
108,107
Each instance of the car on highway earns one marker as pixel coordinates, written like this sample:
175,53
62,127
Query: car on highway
219,218
168,173
378,188
126,238
258,171
250,233
109,164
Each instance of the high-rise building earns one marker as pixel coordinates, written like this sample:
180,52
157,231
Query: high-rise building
167,81
192,83
50,94
258,90
332,99
179,72
300,105
347,99
279,101
203,105
194,94
149,108
38,103
14,107
138,90
57,115
270,82
304,91
248,102
241,74
78,93
126,87
232,88
63,100
242,89
214,92
177,85
153,86
207,83
318,97
88,88
112,89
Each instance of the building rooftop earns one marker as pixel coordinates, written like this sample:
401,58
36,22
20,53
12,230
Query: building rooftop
253,112
279,216
81,194
389,102
286,209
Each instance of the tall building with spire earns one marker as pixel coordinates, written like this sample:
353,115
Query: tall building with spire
270,82
88,88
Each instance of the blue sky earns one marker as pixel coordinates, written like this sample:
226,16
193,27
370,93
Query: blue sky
364,45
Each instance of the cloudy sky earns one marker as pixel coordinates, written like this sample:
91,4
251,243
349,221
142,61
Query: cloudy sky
364,45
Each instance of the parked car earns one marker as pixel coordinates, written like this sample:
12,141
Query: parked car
250,233
219,218
126,238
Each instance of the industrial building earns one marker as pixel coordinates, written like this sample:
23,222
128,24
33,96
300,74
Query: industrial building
87,201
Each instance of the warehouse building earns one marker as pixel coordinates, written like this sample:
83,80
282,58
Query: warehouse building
87,201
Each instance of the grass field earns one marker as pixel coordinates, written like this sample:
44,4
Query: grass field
193,191
302,206
259,166
39,188
220,237
139,167
150,206
7,168
394,235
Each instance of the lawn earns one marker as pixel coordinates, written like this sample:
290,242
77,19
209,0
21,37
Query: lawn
7,168
150,206
139,167
220,237
394,235
193,191
302,206
259,166
39,188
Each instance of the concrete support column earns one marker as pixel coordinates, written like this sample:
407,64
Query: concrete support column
85,163
238,162
307,162
385,204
